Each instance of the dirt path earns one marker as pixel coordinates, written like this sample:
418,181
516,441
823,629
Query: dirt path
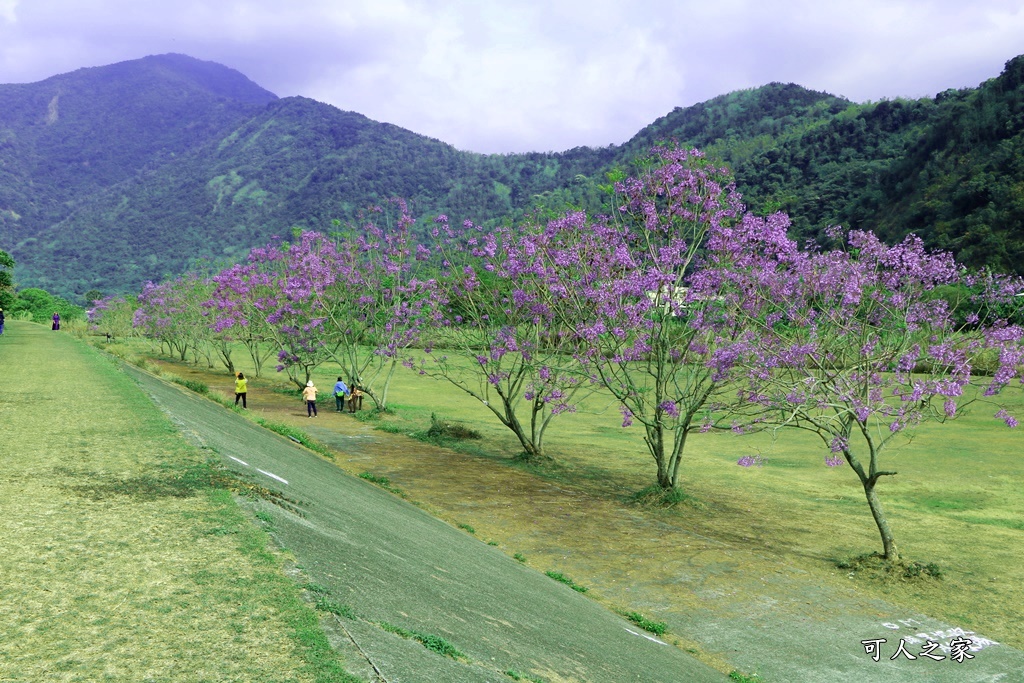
737,607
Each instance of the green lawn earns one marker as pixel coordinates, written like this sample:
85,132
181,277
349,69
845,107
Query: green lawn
957,501
123,556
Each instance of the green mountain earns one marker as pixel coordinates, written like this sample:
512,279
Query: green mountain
114,175
66,140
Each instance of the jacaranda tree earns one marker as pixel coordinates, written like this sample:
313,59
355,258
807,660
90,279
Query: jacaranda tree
359,297
261,292
664,339
865,351
495,333
351,298
171,313
373,294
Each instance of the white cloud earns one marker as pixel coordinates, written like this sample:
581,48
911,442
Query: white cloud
7,10
530,74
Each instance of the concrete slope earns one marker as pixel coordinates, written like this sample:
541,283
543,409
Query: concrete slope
393,563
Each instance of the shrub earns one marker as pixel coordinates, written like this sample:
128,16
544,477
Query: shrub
443,429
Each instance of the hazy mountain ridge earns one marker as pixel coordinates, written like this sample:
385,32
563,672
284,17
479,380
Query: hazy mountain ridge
149,164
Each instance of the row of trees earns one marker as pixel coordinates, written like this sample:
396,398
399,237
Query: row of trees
691,313
31,303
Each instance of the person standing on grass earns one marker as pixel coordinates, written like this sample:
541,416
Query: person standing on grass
2,320
56,321
309,393
241,384
341,391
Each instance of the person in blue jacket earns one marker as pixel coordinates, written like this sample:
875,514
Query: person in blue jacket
341,392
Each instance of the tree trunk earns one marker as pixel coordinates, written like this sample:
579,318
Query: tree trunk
538,423
655,441
256,354
224,351
677,453
383,403
531,450
888,540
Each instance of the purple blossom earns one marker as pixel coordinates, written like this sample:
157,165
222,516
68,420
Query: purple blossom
627,416
670,408
949,408
1005,416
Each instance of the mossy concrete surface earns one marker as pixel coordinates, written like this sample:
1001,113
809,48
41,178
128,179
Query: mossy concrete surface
389,562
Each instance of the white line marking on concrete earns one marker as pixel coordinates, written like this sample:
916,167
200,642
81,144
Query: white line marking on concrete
643,635
237,460
271,475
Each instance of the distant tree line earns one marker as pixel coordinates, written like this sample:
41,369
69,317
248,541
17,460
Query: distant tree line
32,303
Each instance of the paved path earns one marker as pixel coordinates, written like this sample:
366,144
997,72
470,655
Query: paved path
391,562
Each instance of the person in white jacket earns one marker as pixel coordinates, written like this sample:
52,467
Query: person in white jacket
309,393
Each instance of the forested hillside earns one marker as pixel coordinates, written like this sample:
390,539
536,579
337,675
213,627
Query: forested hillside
67,139
114,175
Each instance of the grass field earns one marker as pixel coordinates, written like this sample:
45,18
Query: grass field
123,556
957,502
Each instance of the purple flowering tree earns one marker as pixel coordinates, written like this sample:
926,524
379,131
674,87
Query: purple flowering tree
495,334
380,299
653,325
348,298
174,314
866,349
156,318
169,313
364,287
234,313
263,292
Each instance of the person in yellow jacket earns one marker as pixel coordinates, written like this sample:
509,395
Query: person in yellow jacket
240,388
309,393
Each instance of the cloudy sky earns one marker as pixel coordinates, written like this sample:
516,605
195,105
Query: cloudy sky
530,75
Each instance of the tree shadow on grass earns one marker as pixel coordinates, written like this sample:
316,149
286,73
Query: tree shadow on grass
184,482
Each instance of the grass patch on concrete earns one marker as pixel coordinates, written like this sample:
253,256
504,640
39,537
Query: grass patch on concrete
296,435
431,642
516,676
191,384
382,482
739,677
562,578
658,628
